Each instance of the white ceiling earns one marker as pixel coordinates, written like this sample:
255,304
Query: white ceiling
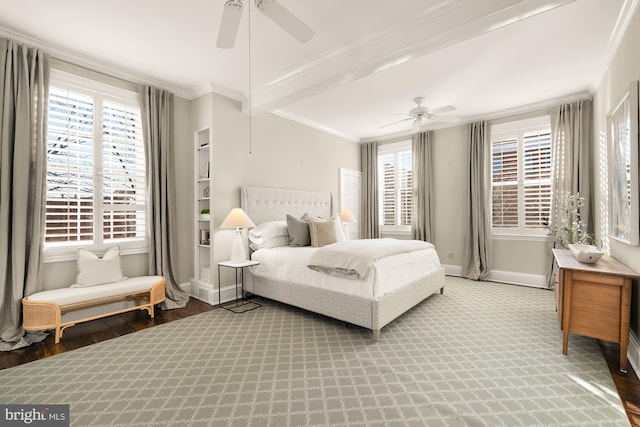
367,61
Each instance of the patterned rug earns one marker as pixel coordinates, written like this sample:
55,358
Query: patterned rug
482,354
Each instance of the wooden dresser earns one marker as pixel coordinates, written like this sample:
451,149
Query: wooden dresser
593,299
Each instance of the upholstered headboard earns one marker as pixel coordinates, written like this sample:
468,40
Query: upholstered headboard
272,204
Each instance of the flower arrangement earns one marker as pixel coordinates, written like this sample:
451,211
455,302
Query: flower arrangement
570,229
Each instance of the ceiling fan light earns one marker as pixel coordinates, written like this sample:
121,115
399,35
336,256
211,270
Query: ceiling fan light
230,24
285,19
417,125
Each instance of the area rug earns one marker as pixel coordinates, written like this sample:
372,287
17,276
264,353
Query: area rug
482,354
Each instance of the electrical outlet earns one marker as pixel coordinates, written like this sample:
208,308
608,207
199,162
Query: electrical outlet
450,254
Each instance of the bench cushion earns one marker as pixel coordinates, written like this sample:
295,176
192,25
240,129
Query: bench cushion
64,296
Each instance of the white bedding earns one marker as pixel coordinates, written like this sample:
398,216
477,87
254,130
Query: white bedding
289,264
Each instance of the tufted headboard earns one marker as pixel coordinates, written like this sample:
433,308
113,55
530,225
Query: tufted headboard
271,204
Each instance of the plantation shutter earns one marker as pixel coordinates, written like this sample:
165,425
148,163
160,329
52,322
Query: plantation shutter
537,178
123,178
405,191
394,186
387,186
70,168
504,164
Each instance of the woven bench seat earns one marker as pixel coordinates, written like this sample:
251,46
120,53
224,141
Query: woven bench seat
44,310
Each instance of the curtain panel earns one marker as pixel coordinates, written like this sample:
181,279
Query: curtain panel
370,224
157,119
24,92
422,209
571,159
571,156
476,255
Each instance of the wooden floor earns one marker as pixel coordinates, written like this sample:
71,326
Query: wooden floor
88,333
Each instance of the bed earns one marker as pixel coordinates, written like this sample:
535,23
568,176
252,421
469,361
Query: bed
398,285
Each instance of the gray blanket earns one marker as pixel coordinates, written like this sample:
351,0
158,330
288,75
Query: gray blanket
352,259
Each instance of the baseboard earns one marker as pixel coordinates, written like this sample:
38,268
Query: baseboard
452,270
633,352
511,277
524,279
206,292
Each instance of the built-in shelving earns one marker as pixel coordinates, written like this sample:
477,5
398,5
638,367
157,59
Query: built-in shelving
202,286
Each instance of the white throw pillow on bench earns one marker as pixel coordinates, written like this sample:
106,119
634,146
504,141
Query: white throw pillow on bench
93,270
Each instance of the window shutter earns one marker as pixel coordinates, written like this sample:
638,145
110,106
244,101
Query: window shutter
537,178
387,188
123,178
70,167
504,165
394,187
405,170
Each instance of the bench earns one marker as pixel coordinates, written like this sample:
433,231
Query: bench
44,310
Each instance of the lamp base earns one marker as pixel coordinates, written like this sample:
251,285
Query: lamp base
238,253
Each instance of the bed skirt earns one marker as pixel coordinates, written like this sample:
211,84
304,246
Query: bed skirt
370,314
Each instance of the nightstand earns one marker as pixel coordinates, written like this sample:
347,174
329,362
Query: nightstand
241,305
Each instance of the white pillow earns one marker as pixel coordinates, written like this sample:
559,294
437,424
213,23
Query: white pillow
94,271
267,230
271,242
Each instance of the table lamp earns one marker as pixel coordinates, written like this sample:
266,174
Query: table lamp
347,218
237,219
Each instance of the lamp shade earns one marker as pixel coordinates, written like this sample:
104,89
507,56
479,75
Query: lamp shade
237,218
346,216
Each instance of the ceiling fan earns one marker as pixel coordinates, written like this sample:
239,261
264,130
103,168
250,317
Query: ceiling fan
272,9
420,115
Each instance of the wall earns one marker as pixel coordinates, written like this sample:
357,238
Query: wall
513,261
276,153
449,176
624,68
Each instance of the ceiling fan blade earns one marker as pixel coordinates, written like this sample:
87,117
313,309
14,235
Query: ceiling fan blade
229,24
441,110
285,19
446,119
395,123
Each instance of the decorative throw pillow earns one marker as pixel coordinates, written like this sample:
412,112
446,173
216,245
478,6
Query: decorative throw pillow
94,271
322,233
298,231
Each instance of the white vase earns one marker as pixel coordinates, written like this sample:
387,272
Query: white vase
588,254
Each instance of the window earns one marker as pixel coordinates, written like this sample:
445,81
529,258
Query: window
96,190
394,187
521,176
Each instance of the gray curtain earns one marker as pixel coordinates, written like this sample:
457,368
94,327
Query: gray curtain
24,92
369,226
570,166
422,187
571,158
476,255
157,118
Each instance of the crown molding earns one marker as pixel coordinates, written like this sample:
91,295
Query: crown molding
510,113
94,64
629,9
